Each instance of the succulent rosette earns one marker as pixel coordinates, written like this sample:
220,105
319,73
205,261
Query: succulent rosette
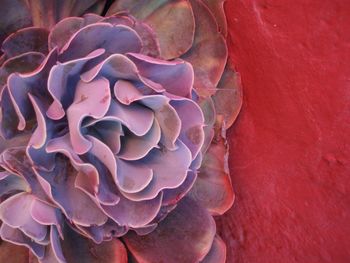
113,122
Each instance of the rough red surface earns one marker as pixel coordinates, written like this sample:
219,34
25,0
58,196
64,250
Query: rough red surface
290,147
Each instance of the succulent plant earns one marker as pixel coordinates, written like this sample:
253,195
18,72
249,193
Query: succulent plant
113,123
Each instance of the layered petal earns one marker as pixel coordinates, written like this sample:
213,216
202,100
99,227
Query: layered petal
208,54
185,235
172,22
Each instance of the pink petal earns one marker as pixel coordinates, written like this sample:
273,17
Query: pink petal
228,98
134,214
15,212
176,77
91,99
19,85
48,13
208,54
136,147
76,205
26,40
136,118
133,177
185,235
114,39
217,253
169,171
173,196
17,237
58,83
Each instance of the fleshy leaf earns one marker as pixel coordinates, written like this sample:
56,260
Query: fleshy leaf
63,30
48,13
213,187
217,253
78,249
228,97
14,15
168,176
17,237
208,54
217,8
185,235
172,22
26,40
11,253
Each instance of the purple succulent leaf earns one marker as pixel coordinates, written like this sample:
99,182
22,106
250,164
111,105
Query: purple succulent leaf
192,122
16,161
10,183
136,118
14,15
26,40
46,214
169,171
9,117
208,54
185,235
109,132
106,232
48,13
217,8
176,77
228,98
119,19
23,63
136,147
172,22
151,46
217,253
58,83
173,196
114,39
142,231
77,249
15,212
164,113
133,177
19,85
66,28
134,214
56,245
20,140
89,101
76,205
213,187
17,237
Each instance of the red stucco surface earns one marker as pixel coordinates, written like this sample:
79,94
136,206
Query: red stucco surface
290,147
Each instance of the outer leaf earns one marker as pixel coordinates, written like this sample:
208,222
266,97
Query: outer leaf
47,13
217,8
228,98
172,21
78,249
217,253
186,235
208,54
213,187
11,253
14,15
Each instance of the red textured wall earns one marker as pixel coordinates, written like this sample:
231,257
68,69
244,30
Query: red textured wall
290,146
